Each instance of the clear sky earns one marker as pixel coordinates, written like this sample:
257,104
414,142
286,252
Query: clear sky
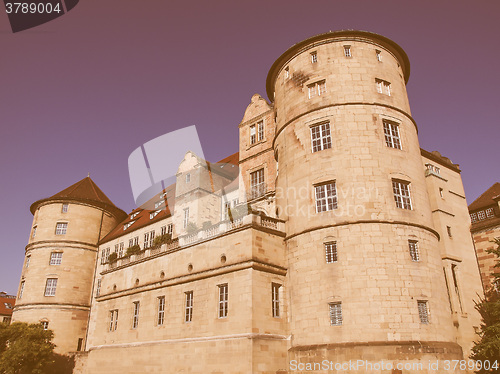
80,93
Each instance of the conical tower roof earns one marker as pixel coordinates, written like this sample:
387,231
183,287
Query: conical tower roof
83,191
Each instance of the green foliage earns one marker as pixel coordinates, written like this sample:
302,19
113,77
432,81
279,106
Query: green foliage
113,257
133,250
488,347
26,349
162,239
191,228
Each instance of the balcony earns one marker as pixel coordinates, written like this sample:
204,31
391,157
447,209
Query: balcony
250,220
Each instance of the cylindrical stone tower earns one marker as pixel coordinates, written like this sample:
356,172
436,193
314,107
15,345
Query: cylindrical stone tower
365,273
57,277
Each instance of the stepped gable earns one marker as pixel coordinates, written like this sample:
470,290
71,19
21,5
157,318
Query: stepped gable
84,191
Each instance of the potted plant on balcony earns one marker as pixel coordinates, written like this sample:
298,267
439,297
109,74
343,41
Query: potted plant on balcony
162,239
191,228
133,250
112,257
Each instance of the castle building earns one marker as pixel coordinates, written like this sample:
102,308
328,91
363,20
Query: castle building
330,236
485,217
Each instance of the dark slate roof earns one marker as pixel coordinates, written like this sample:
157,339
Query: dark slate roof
486,199
85,191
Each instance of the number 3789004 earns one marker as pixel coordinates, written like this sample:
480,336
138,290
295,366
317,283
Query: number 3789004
34,7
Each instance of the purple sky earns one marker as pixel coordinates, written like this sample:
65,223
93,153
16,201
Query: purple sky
80,93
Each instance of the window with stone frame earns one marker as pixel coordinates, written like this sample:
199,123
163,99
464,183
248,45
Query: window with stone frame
331,252
275,290
55,258
423,311
321,137
401,192
50,287
188,313
326,197
335,313
391,134
316,89
413,249
257,184
223,300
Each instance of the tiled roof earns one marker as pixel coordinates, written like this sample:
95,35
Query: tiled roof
142,218
486,199
9,300
86,191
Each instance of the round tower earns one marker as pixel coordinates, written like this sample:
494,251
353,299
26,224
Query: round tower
57,277
365,273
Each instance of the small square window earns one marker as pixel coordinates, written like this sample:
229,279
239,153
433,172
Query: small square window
347,51
331,252
473,217
335,314
61,228
423,311
314,57
383,87
65,208
56,258
489,213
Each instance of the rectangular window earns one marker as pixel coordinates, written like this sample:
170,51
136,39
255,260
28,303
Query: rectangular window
188,178
223,300
28,259
347,51
64,208
481,215
473,217
260,131
21,290
316,89
253,138
326,197
287,72
45,325
113,319
33,234
80,344
391,134
135,320
314,57
423,311
257,186
98,288
61,228
161,310
321,137
106,257
188,315
276,299
441,192
383,87
103,256
489,213
378,54
413,247
331,252
455,284
401,192
448,230
335,314
50,287
146,240
56,258
151,238
186,217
